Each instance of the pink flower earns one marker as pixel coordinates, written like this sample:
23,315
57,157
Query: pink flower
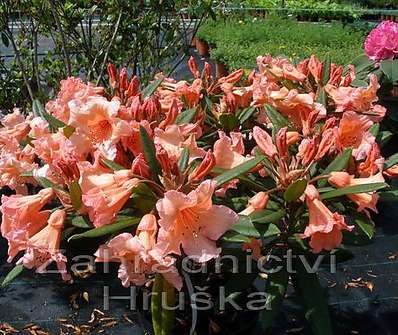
104,201
264,142
229,151
71,89
137,256
382,42
22,218
256,203
358,99
363,200
43,247
353,132
324,227
280,68
193,222
15,125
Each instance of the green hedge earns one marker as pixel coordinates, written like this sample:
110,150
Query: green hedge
239,42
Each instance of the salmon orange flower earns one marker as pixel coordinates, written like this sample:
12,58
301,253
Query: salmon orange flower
363,200
324,227
192,222
43,247
22,218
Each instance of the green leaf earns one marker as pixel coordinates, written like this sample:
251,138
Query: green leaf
390,161
359,83
321,98
374,130
81,222
46,183
362,63
338,164
75,193
234,237
311,295
186,116
277,119
245,227
151,88
229,121
112,165
183,160
295,190
389,196
107,229
150,153
246,114
14,273
275,288
364,188
54,123
326,69
267,216
238,170
163,294
383,137
365,224
390,69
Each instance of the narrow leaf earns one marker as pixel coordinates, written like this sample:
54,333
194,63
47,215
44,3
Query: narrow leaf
277,119
112,165
228,121
245,227
107,229
186,116
151,88
390,161
389,196
246,114
338,164
54,123
364,188
326,69
184,159
75,193
81,222
46,183
150,153
390,69
295,190
238,170
14,273
365,224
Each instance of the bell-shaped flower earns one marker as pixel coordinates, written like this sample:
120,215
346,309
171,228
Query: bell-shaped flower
324,227
43,247
192,222
22,218
363,200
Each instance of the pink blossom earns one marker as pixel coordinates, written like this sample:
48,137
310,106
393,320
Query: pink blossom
382,42
192,222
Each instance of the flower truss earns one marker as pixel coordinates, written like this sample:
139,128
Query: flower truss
284,158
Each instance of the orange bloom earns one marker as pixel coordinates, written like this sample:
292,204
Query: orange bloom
363,200
256,203
229,151
353,133
137,257
22,218
43,247
103,202
192,222
324,227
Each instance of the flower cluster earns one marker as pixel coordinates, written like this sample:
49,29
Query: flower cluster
158,165
382,42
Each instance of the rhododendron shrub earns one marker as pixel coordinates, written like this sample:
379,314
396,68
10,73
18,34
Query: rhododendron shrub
286,158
